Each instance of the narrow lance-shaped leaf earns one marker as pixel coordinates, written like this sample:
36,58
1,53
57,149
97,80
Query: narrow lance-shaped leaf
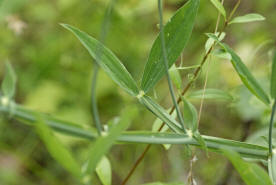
176,77
104,143
177,33
272,166
190,115
157,125
220,7
104,171
9,82
212,94
248,18
247,78
161,113
273,78
107,60
191,121
251,173
272,150
57,150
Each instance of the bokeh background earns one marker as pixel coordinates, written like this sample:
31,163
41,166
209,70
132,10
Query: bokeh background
54,76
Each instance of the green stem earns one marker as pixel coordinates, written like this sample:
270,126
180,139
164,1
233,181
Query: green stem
271,128
95,112
104,29
213,143
165,59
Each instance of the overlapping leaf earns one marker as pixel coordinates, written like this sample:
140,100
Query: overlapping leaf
177,33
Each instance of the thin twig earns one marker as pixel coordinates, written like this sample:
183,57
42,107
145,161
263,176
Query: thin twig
207,72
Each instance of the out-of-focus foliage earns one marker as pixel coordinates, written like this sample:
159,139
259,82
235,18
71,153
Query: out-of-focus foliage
54,76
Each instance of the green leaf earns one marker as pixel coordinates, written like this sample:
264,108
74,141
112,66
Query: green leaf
157,125
273,78
190,115
107,60
247,18
9,82
251,173
200,141
247,78
220,7
209,43
105,142
57,150
177,33
104,171
161,113
175,76
220,53
214,94
272,166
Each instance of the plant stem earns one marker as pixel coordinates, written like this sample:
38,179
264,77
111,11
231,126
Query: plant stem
234,10
104,29
271,128
72,129
95,112
196,73
165,59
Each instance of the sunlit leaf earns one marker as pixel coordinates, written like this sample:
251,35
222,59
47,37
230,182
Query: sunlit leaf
245,75
177,33
248,18
273,78
214,94
220,7
107,60
104,171
251,173
57,150
105,142
9,82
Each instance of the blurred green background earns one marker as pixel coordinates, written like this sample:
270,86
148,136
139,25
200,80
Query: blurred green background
54,76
